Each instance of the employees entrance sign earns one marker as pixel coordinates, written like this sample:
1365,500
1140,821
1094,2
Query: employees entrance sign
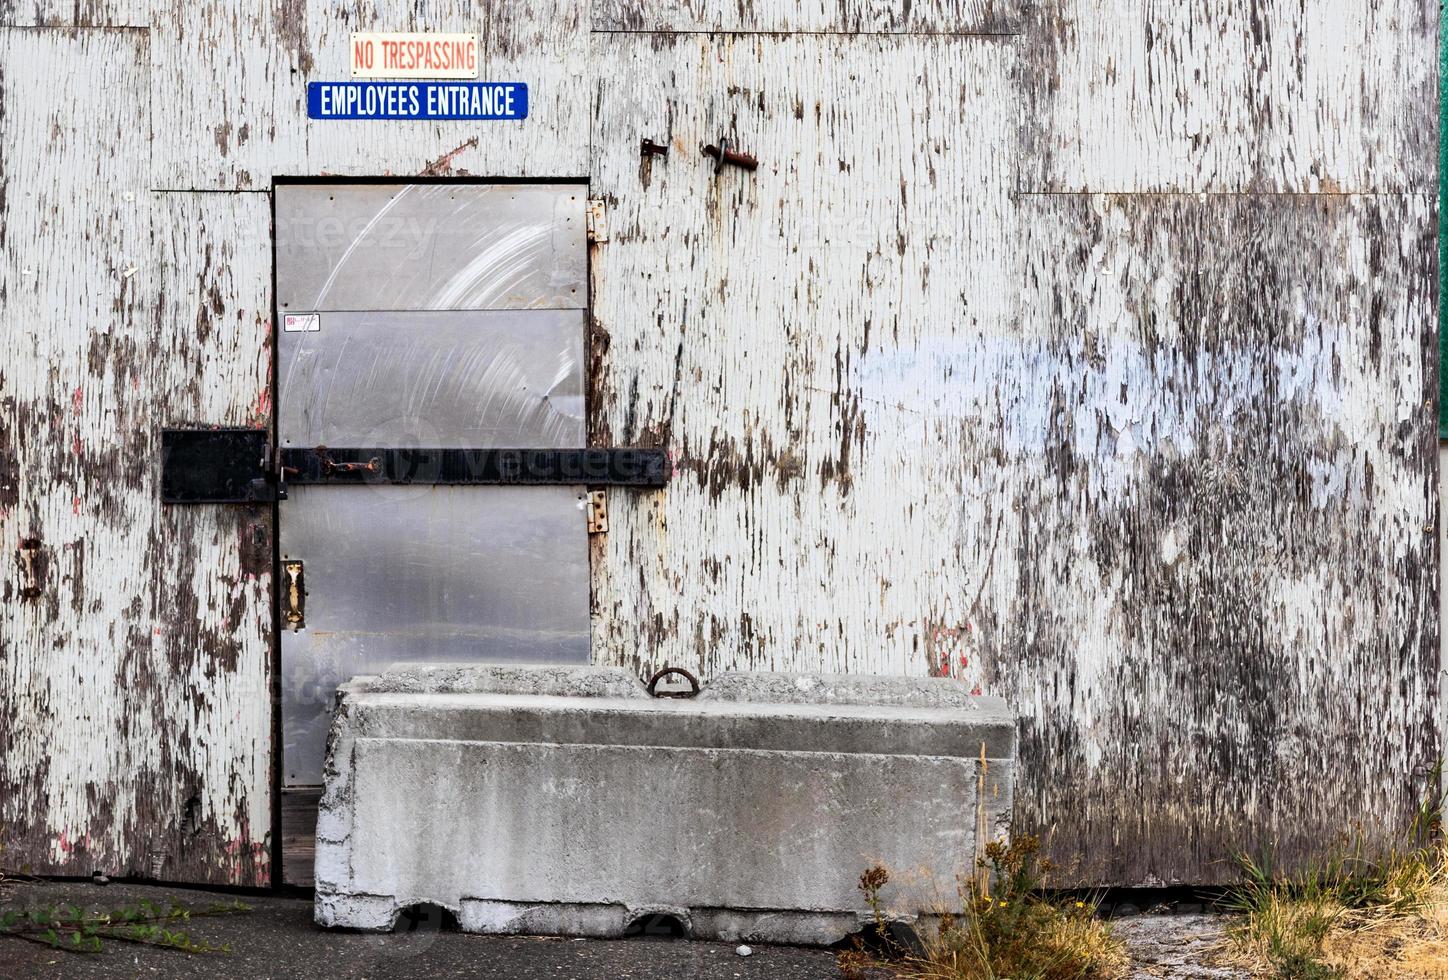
417,100
417,55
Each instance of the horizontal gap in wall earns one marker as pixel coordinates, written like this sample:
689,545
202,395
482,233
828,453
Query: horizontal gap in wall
71,28
583,181
1258,194
484,309
210,190
986,35
597,30
419,179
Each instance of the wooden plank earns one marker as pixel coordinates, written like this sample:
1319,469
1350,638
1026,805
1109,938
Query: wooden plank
74,13
299,835
249,122
1213,481
1318,96
735,314
1442,558
812,16
72,282
212,360
1442,239
134,707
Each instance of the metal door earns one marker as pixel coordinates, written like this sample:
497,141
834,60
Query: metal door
427,316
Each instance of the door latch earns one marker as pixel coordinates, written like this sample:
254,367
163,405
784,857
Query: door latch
217,466
294,595
223,466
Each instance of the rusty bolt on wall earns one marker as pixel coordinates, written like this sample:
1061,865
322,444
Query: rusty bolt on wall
649,148
722,155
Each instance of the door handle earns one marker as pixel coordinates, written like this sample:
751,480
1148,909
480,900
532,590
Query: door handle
294,595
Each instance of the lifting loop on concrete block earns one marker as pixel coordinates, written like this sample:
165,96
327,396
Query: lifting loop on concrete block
665,672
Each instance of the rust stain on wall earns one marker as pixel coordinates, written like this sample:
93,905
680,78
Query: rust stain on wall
290,21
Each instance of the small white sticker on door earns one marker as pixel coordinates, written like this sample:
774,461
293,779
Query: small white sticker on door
302,322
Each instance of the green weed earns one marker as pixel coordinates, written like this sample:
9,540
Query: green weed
67,928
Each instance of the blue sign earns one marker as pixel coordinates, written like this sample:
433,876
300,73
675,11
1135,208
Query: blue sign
417,100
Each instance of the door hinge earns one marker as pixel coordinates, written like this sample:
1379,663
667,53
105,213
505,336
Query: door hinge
597,215
597,512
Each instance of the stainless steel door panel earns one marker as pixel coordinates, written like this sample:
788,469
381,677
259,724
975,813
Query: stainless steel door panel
426,574
486,380
430,247
428,316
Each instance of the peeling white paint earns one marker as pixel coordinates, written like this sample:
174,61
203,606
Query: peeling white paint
1017,354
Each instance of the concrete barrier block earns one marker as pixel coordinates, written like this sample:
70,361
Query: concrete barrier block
566,801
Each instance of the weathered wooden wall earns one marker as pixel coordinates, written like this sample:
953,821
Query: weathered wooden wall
138,143
135,718
1081,348
1093,363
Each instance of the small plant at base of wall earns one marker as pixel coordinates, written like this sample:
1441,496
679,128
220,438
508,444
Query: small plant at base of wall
67,928
1004,927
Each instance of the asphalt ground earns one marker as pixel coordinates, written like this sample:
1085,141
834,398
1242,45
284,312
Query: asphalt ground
277,938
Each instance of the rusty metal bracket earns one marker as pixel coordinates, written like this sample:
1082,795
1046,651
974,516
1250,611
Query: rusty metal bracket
663,672
649,148
32,568
330,466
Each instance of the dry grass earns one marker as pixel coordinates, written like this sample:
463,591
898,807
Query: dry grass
1053,944
1003,928
1354,916
1414,946
1322,938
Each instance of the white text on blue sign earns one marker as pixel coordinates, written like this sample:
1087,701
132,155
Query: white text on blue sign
417,100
